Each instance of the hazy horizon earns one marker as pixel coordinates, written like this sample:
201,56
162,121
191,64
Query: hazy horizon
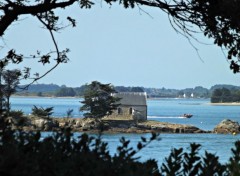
136,86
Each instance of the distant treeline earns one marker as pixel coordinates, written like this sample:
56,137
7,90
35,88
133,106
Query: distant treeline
64,91
224,95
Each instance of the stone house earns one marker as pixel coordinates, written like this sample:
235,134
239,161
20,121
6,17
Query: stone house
133,105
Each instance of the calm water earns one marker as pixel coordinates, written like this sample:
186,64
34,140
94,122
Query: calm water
166,110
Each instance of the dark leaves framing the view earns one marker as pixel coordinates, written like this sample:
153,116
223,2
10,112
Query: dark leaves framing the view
215,19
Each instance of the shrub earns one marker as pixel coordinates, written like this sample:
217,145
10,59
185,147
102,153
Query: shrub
60,154
42,112
69,113
16,113
17,117
26,154
191,163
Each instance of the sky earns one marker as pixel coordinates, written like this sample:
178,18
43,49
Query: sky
123,47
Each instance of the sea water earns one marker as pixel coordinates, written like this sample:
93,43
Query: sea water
205,116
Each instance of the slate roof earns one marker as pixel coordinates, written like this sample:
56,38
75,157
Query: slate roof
132,98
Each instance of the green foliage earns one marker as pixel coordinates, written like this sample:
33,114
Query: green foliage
42,112
8,87
98,100
173,163
69,113
192,164
234,162
223,95
80,90
66,92
16,113
216,19
54,90
17,118
39,94
61,154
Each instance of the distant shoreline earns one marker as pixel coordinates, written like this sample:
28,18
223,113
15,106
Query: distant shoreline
35,96
32,96
225,104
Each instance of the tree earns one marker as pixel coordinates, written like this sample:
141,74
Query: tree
69,113
217,96
43,11
42,112
71,155
30,154
80,90
217,92
98,100
216,19
224,95
137,89
66,92
2,99
11,81
39,94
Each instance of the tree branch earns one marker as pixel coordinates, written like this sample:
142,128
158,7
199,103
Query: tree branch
58,59
14,10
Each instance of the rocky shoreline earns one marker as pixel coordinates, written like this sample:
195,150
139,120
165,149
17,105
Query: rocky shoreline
33,123
113,125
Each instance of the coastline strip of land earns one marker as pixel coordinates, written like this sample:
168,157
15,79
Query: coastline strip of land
225,104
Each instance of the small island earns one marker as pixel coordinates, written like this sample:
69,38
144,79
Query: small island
106,125
104,110
32,123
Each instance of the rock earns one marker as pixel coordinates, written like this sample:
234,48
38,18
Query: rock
124,126
87,127
63,124
108,125
88,121
104,126
132,130
71,122
227,126
192,129
39,123
50,125
44,124
90,124
144,127
78,124
68,123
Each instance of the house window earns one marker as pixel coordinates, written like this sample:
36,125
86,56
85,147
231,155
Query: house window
131,111
119,111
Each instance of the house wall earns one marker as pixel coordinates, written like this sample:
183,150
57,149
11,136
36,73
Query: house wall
131,112
133,105
140,112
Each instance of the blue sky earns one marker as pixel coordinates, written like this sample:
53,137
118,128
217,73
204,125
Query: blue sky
123,47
